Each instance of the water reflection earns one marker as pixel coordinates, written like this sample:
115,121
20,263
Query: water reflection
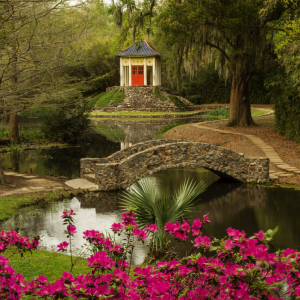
64,161
109,137
47,222
132,132
240,206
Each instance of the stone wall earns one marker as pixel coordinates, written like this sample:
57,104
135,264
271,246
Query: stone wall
141,98
88,165
119,170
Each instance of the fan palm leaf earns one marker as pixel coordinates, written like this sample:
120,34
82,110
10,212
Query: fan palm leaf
151,208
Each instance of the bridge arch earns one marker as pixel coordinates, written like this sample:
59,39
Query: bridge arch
120,169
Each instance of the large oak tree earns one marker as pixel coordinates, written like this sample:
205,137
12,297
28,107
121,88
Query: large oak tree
239,31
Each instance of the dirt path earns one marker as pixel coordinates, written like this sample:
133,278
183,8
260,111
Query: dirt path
19,184
254,141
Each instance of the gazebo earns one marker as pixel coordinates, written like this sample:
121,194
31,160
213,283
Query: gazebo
140,65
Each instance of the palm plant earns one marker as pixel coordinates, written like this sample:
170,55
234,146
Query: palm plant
151,208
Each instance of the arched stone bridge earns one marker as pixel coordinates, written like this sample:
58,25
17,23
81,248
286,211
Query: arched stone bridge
120,169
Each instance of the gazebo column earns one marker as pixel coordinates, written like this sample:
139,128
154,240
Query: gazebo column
153,69
130,82
121,72
145,71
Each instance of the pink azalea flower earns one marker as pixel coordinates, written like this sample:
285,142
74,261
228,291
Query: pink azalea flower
185,227
228,245
151,228
141,234
62,246
196,227
100,260
202,241
117,227
68,213
260,235
206,219
71,229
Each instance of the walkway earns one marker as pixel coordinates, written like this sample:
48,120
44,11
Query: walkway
34,183
267,149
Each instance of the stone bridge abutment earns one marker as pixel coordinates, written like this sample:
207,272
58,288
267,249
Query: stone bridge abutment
119,170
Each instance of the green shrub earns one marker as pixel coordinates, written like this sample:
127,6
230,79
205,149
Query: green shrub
219,112
285,95
37,112
166,128
113,97
66,125
157,94
178,103
207,87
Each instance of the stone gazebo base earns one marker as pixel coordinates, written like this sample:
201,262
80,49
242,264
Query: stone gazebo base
142,98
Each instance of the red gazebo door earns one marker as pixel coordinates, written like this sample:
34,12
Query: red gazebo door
137,73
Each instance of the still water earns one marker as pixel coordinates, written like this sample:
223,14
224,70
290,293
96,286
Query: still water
243,207
107,137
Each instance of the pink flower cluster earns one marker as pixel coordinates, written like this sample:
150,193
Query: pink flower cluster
100,260
128,218
181,231
241,268
97,238
11,283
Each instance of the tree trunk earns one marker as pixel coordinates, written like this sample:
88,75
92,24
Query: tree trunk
2,176
14,129
240,110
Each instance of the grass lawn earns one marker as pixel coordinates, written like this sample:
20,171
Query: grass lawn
140,113
257,112
10,204
254,112
50,264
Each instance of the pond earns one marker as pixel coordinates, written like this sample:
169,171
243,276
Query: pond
240,206
107,137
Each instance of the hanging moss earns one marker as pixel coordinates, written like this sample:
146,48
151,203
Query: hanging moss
178,103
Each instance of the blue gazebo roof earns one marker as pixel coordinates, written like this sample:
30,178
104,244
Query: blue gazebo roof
139,49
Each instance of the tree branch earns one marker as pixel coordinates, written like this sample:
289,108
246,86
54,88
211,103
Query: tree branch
217,47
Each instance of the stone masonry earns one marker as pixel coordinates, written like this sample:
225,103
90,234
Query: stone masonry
141,98
119,170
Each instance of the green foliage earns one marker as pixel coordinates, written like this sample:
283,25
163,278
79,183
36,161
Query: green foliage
286,104
115,133
178,103
37,112
208,87
4,132
160,131
167,127
31,134
205,87
113,97
219,112
9,205
66,125
152,208
157,94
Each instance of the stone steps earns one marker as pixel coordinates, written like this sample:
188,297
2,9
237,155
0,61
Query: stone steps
89,177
